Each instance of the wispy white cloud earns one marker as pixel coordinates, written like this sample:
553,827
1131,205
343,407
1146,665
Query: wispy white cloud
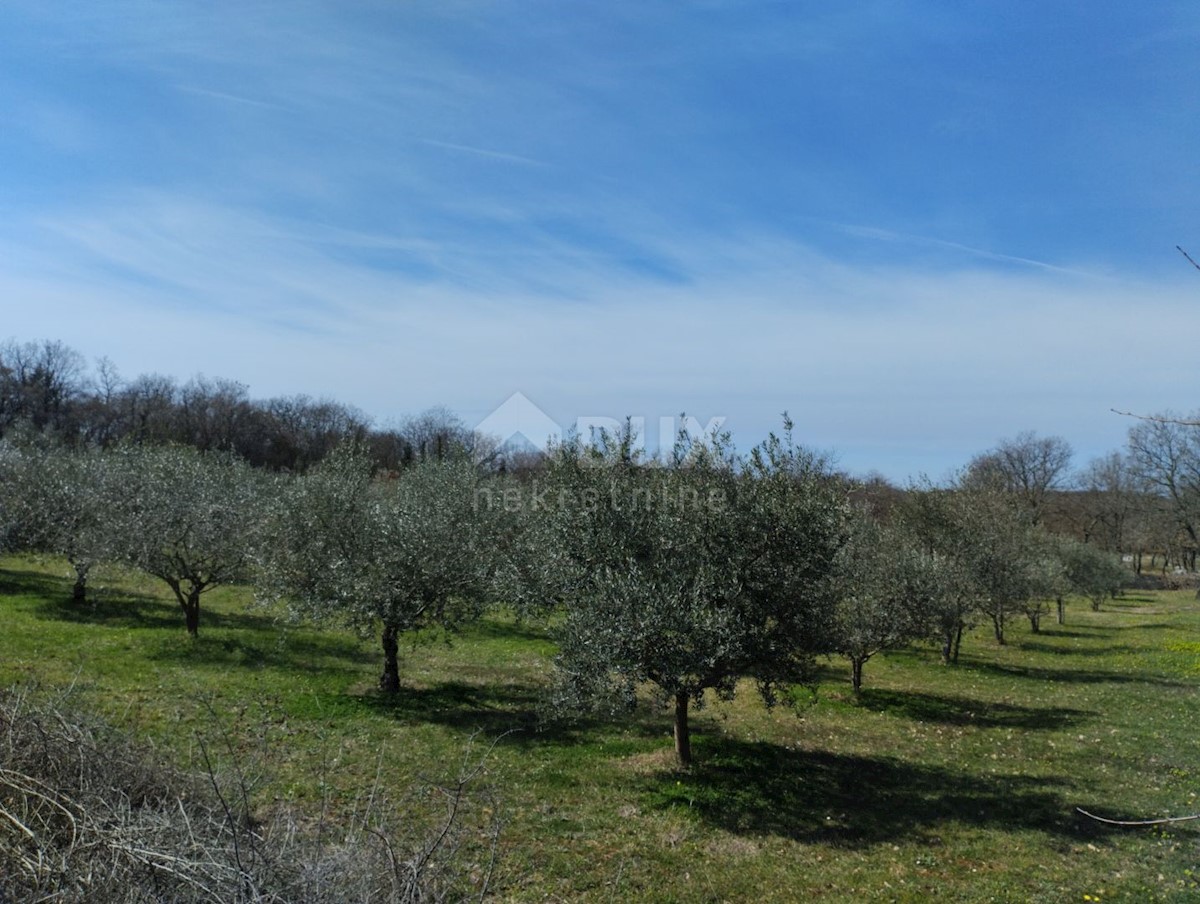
888,235
613,208
226,96
484,152
916,367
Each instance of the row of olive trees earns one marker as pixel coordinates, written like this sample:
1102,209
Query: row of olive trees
687,576
401,553
187,518
1000,562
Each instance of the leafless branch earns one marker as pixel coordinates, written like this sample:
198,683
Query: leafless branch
1188,256
1136,822
1158,419
87,816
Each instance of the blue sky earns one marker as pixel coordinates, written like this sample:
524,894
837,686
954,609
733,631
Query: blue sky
918,226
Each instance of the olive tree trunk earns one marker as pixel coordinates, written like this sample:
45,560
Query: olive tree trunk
951,644
998,626
683,737
389,681
856,670
79,589
189,602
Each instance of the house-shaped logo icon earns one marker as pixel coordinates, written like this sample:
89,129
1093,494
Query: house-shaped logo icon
519,424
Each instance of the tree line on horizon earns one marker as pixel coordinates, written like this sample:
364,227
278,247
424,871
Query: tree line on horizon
1142,501
46,388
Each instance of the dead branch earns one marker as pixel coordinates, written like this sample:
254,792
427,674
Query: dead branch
1136,822
87,816
1158,419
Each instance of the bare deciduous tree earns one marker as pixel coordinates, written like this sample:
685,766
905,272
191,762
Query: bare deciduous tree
39,382
1027,465
1165,453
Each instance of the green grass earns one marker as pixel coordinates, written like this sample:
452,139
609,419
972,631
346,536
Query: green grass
958,784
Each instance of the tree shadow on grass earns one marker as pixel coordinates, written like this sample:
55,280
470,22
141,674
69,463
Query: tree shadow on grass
514,712
259,641
948,710
1089,634
113,609
822,797
1037,647
1071,676
493,629
102,607
21,582
491,709
309,652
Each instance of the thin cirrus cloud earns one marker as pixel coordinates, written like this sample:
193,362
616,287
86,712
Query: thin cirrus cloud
230,98
851,352
918,229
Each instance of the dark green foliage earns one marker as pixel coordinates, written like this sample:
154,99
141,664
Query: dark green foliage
188,518
889,592
687,576
1091,572
396,555
59,501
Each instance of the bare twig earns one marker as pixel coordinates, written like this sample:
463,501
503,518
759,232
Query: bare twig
1136,822
1158,419
87,816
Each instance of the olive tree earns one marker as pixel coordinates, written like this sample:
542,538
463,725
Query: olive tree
388,555
689,575
57,501
889,592
1091,572
999,549
932,517
994,548
1047,581
186,517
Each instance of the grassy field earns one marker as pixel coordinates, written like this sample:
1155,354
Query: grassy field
958,784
